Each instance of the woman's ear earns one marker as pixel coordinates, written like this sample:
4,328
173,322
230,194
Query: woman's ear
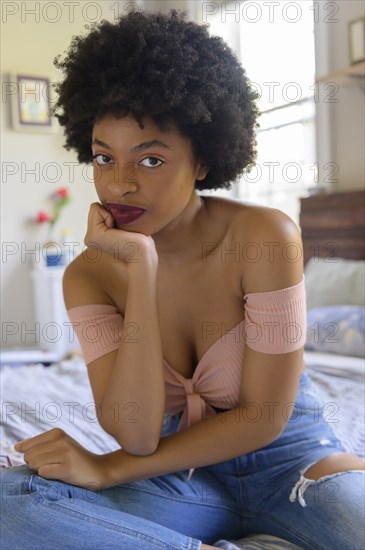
201,171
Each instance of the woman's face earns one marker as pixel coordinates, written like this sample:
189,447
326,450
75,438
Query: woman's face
146,169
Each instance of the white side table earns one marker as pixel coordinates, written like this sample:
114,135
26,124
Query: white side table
54,329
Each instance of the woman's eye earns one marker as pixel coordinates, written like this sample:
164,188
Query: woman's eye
149,162
103,161
152,162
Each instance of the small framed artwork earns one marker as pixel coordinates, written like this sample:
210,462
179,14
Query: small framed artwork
357,40
32,99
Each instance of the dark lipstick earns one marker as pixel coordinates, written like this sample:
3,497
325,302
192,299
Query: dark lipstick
123,213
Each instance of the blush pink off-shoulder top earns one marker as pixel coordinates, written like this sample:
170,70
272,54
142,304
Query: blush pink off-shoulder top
274,323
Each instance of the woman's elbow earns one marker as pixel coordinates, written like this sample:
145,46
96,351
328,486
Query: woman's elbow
141,449
139,446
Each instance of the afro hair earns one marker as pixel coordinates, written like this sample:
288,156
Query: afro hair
168,69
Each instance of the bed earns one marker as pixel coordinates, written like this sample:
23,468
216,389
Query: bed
35,397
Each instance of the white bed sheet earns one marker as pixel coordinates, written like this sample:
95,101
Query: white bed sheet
35,398
340,382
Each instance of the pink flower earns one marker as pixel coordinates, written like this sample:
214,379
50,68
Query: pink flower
60,199
43,217
62,193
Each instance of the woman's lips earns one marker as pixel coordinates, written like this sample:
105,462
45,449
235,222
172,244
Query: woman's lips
123,214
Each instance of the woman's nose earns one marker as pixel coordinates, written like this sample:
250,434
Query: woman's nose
124,179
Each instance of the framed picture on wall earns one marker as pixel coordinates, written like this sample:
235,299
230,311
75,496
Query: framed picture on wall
32,99
357,40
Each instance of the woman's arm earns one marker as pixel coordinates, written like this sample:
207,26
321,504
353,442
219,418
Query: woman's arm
137,377
128,382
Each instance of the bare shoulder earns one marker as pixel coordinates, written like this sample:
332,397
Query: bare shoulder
265,224
91,279
269,242
252,220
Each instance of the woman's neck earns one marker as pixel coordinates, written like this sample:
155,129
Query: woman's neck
181,240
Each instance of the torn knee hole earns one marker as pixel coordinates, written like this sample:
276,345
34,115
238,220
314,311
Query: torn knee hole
333,464
355,464
313,474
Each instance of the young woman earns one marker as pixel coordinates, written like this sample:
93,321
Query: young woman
191,314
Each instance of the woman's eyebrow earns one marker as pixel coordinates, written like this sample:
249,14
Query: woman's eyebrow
147,144
140,147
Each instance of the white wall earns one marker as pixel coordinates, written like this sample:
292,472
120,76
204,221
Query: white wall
167,5
30,41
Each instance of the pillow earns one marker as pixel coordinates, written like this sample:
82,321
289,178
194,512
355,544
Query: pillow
336,329
334,281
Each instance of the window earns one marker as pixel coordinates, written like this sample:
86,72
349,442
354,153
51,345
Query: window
275,44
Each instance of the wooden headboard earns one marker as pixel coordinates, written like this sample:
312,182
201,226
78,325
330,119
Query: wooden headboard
333,225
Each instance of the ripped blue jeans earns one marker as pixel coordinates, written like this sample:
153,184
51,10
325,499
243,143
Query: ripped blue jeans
261,492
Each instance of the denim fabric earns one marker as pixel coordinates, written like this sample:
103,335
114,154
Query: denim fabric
261,492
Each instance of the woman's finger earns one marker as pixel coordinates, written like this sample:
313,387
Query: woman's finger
50,435
50,471
43,448
99,214
43,459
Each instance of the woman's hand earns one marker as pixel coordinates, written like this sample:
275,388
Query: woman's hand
56,455
126,246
